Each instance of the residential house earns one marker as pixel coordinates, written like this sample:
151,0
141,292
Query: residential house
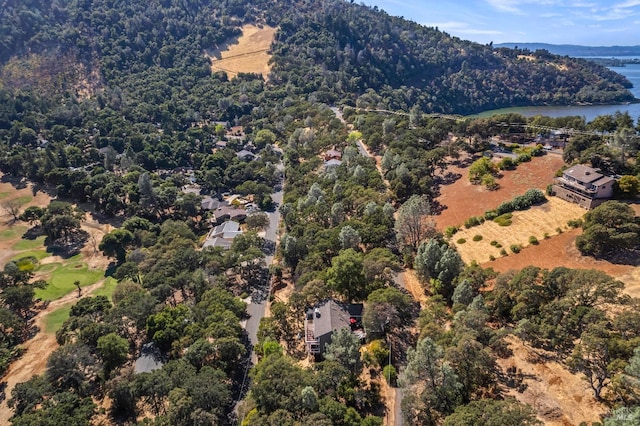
210,203
327,318
332,154
223,235
584,186
245,155
331,164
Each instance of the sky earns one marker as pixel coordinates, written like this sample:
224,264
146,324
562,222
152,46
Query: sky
583,22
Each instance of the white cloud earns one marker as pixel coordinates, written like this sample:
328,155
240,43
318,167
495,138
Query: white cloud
505,6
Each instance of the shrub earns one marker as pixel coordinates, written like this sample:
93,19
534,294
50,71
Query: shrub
559,230
550,190
492,258
494,243
450,231
504,219
490,182
503,252
473,221
390,374
546,236
515,248
506,164
461,241
490,214
477,238
574,223
533,240
523,158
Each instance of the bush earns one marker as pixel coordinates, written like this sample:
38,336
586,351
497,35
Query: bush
503,252
450,231
490,214
515,248
550,190
473,221
523,158
507,164
390,374
492,258
546,236
504,220
559,230
477,238
490,182
533,240
461,241
574,223
522,202
494,243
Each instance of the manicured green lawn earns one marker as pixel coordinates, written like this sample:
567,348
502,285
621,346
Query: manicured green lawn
107,288
54,320
62,280
10,233
29,244
49,267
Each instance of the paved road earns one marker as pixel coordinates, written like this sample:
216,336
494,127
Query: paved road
257,305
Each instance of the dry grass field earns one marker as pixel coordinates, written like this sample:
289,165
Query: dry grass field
537,221
558,397
461,199
247,54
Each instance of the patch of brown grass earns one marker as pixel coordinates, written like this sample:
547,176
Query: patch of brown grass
247,54
536,221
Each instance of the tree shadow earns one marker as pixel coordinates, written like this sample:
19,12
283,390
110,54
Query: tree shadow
67,247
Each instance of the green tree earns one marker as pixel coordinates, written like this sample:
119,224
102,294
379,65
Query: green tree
489,412
346,276
629,185
344,349
439,262
608,228
115,243
113,351
433,388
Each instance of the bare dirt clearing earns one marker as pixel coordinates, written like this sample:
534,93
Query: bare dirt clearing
463,200
558,397
536,221
247,54
561,250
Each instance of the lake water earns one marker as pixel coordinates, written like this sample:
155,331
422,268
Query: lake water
589,112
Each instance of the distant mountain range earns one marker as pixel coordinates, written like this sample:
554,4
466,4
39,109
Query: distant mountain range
576,50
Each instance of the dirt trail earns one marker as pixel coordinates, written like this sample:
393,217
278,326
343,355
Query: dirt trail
37,350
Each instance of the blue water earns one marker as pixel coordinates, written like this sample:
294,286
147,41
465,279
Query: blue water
589,112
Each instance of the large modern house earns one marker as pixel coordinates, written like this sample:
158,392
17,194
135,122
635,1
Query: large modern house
584,186
329,317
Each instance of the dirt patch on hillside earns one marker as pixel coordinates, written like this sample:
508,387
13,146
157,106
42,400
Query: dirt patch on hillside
463,200
250,53
561,250
537,222
558,397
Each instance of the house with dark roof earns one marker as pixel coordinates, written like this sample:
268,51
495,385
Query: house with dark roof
327,318
584,186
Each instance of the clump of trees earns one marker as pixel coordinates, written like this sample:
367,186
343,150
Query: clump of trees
609,228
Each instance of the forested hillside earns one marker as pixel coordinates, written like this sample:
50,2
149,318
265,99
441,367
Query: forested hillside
111,106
